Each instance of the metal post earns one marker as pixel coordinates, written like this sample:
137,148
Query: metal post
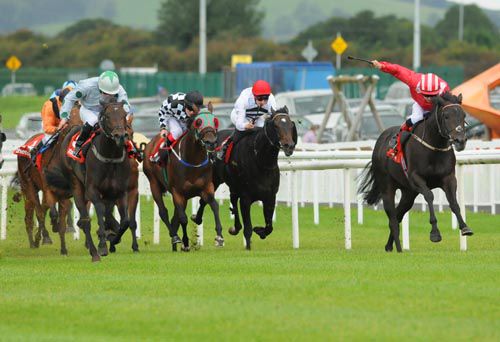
406,231
203,37
315,176
416,36
295,210
347,208
156,225
461,22
338,56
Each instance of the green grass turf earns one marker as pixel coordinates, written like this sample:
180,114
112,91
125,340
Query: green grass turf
320,291
13,107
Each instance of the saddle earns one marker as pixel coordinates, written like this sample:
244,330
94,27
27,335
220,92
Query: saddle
160,150
84,150
225,151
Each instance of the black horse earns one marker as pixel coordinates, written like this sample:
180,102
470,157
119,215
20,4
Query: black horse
252,172
430,164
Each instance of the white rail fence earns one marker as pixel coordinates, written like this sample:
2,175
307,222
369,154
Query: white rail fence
325,174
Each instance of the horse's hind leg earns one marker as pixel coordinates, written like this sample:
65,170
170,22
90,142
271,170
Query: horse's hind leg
46,240
420,183
390,210
180,218
219,239
29,211
84,221
234,209
64,206
40,212
450,189
134,199
122,204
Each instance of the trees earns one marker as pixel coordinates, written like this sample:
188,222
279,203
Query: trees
179,20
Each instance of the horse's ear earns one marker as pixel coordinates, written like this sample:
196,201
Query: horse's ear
459,98
130,119
272,112
285,109
438,100
210,107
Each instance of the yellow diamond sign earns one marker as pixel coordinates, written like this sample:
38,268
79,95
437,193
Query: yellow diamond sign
13,63
339,45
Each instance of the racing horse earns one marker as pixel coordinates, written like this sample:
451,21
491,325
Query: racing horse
252,171
103,178
430,163
188,173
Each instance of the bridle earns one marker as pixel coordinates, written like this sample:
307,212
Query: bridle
444,132
104,117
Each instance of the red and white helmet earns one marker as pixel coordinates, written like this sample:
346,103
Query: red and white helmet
261,87
429,84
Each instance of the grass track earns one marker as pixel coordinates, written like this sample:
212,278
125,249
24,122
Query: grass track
273,292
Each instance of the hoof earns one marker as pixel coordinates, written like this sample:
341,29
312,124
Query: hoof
193,218
112,248
233,231
219,241
47,240
261,232
135,250
435,237
64,252
70,230
103,251
185,248
96,258
176,240
466,231
388,248
55,229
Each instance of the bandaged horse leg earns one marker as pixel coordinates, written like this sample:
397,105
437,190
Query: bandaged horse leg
268,210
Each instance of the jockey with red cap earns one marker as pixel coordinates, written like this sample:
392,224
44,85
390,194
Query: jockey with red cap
423,87
250,110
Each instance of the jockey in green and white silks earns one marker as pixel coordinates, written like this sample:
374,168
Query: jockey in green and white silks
90,92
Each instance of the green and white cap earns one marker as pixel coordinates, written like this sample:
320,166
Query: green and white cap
108,82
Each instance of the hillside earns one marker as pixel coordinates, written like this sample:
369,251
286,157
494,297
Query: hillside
283,19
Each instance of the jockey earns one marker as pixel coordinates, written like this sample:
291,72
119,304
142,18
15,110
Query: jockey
423,87
90,92
68,83
174,114
249,111
50,120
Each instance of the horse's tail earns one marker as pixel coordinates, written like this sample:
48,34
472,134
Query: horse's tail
56,178
369,186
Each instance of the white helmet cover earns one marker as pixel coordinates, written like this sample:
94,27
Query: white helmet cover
108,82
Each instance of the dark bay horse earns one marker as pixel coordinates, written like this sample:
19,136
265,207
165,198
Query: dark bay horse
430,164
188,174
252,172
103,178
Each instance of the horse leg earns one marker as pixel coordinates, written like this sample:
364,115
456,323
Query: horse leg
100,211
450,188
69,219
64,206
46,240
234,209
390,210
180,203
40,216
29,211
198,217
210,199
421,185
245,204
133,200
268,210
122,205
84,221
162,210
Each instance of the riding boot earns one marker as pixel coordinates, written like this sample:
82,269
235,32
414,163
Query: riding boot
34,151
393,143
222,152
84,135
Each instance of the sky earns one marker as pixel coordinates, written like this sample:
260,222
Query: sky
489,4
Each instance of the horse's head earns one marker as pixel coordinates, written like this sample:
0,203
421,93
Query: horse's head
112,120
451,119
281,130
205,126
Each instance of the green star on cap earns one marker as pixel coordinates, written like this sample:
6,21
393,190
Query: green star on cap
109,74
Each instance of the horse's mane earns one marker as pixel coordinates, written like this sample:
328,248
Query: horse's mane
447,96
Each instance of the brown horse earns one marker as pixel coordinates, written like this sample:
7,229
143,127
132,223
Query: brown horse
103,178
188,174
31,183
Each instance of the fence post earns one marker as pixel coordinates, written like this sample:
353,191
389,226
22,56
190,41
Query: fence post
347,208
461,201
156,224
406,231
295,210
76,218
3,233
315,176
